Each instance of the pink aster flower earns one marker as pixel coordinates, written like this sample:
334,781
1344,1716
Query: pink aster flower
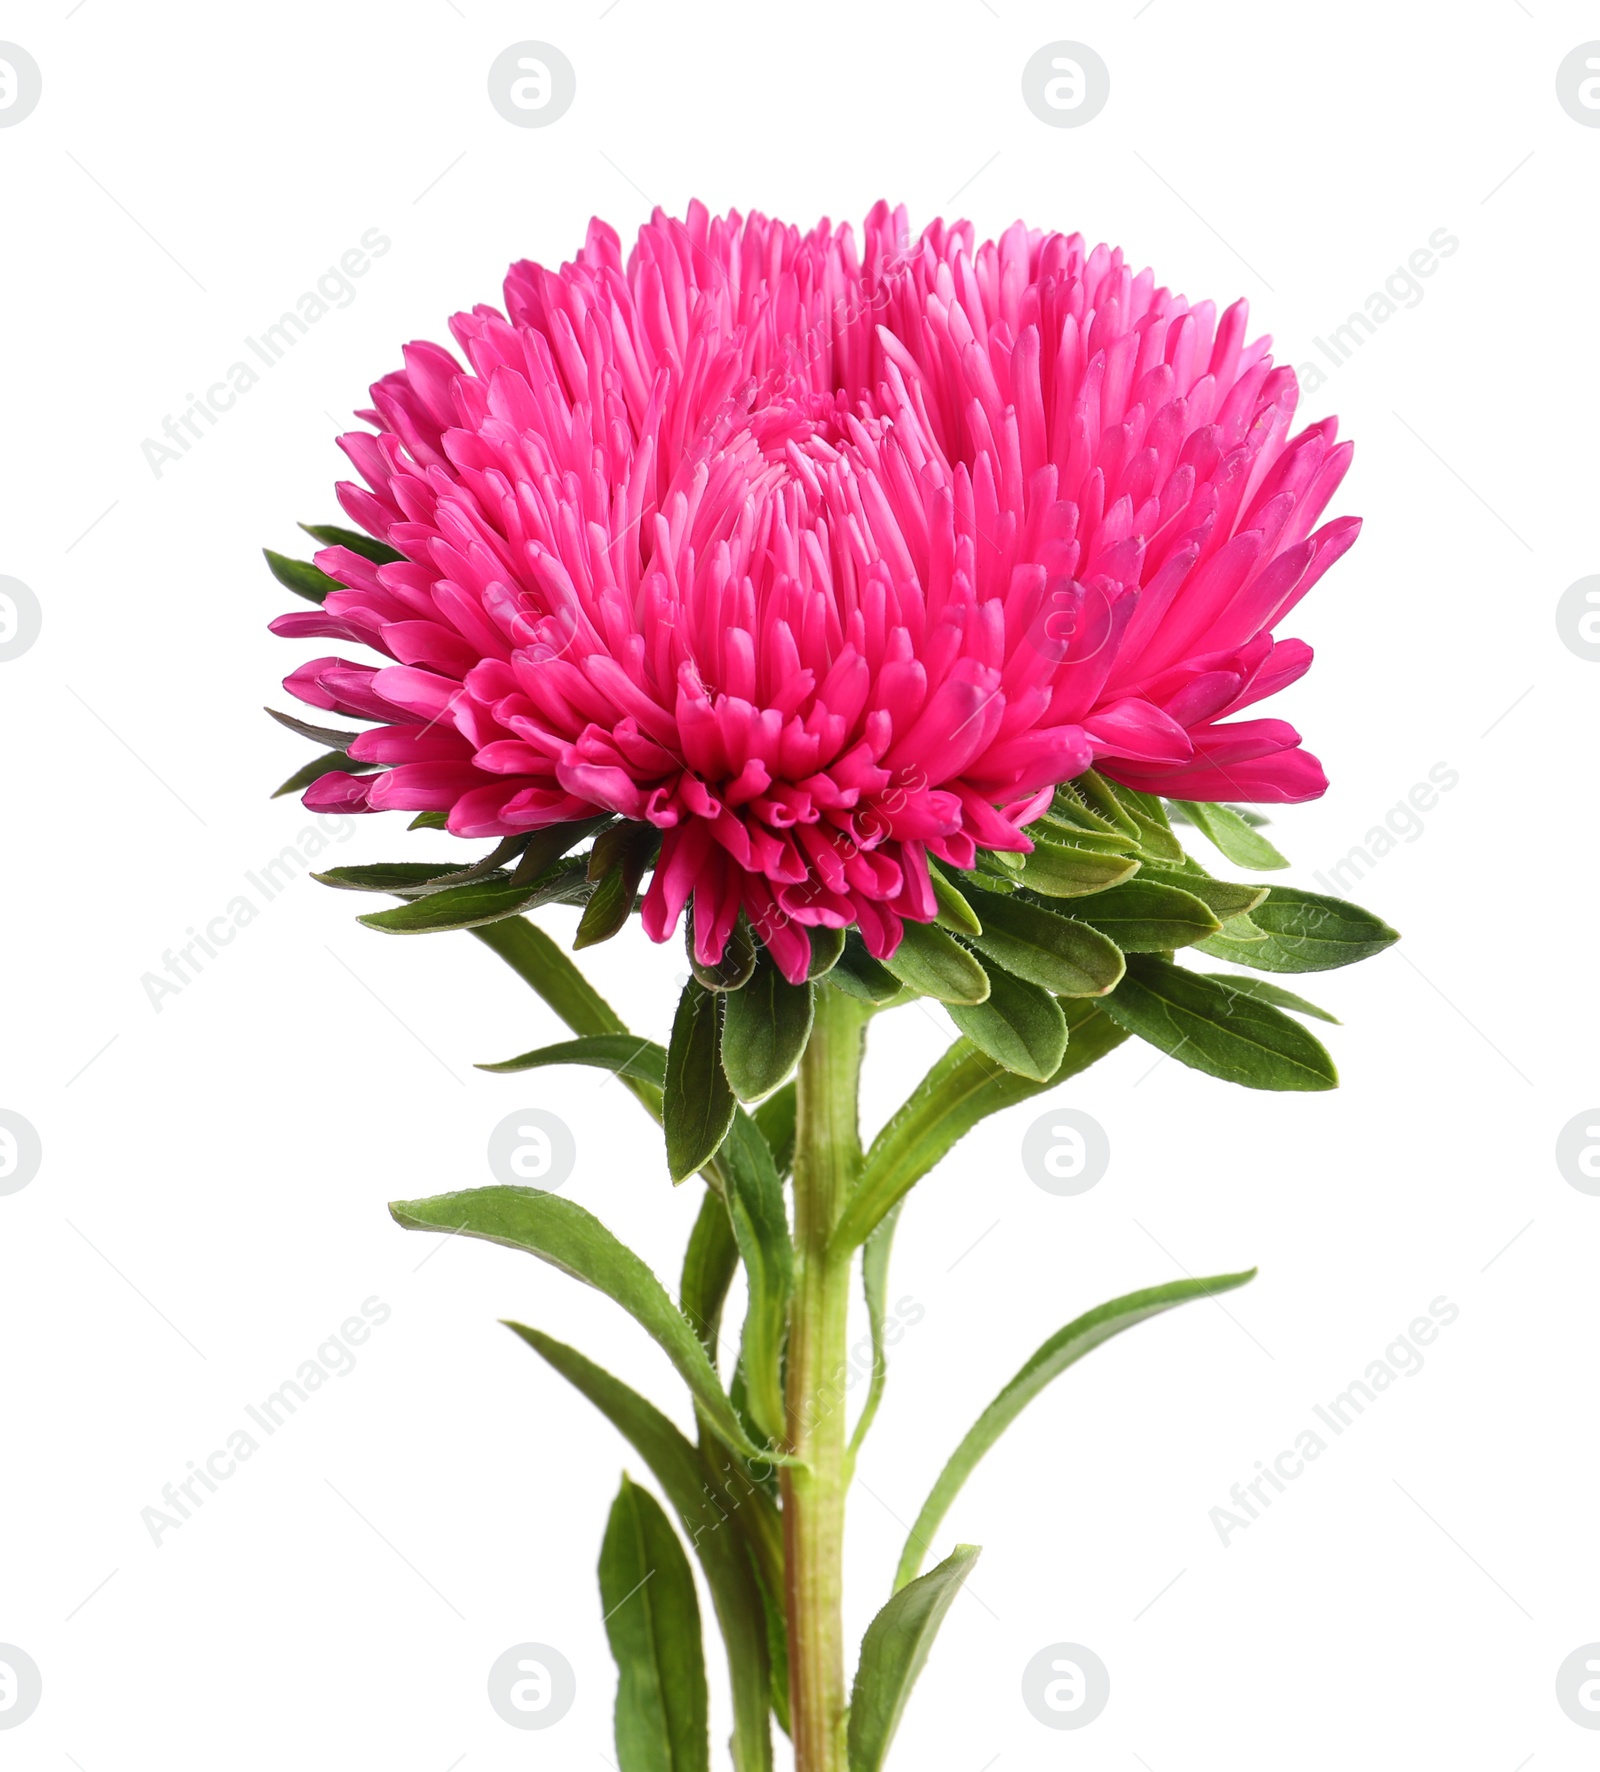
823,561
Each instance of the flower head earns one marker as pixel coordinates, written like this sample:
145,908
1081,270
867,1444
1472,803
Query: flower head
823,560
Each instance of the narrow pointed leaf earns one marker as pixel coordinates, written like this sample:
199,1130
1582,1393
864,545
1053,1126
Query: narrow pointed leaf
1210,1027
541,965
1240,842
1305,932
1149,818
937,965
652,1621
875,1290
332,536
562,1233
1224,897
505,851
687,1482
1019,1026
856,973
316,769
698,1105
777,1648
400,879
544,848
1060,954
301,577
964,1087
709,1264
1094,792
1064,870
624,1055
1071,808
335,737
765,1030
1237,930
893,1653
754,1193
775,1118
483,901
954,912
1265,991
1070,820
1145,916
1063,1349
616,866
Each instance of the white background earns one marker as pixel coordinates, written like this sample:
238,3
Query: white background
210,1205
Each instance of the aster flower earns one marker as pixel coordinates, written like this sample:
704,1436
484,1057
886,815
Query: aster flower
885,607
822,562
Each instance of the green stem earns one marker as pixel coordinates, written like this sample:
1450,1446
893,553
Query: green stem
827,1161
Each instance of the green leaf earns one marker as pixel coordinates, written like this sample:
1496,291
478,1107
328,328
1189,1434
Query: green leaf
709,1264
430,821
1050,828
687,1482
698,1106
1149,819
858,975
316,769
964,1087
1305,932
335,737
765,1030
1266,992
1063,1349
562,1233
1058,953
1095,795
1178,810
1019,1025
541,965
875,1289
776,1119
624,1055
732,972
749,1201
954,911
484,901
893,1653
1145,916
486,866
754,1192
1224,898
331,536
545,848
301,577
937,965
400,879
1062,870
652,1621
777,1648
1205,1024
415,879
826,947
1240,842
616,865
